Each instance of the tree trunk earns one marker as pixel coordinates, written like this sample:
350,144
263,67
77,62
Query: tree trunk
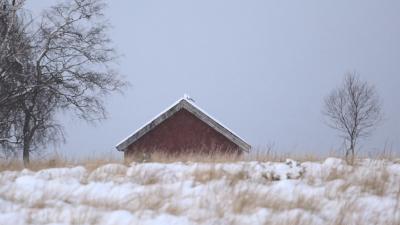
352,147
347,155
25,154
350,152
27,139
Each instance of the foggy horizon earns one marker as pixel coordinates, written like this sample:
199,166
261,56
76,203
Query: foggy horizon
262,68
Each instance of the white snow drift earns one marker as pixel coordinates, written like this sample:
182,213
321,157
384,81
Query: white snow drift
330,192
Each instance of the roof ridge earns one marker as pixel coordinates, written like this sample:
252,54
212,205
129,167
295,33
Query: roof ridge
195,110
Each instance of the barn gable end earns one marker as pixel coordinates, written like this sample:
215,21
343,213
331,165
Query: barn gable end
182,110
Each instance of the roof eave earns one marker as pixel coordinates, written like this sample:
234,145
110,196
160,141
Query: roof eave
183,103
121,149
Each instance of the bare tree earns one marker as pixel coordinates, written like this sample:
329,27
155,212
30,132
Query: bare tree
15,53
353,109
73,57
70,63
26,113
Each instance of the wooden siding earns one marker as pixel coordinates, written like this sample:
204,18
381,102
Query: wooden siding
183,132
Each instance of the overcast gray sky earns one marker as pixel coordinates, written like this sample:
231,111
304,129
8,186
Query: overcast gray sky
260,67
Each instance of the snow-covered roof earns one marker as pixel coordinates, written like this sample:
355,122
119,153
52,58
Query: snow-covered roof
183,103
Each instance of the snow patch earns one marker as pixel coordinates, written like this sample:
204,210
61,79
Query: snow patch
205,193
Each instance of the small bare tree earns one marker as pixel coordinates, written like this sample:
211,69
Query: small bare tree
353,109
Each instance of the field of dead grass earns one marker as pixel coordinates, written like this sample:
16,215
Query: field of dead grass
258,189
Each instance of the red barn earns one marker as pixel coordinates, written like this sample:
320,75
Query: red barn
183,128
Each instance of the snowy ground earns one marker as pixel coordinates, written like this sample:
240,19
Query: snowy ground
205,193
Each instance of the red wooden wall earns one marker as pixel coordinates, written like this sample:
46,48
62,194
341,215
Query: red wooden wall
183,132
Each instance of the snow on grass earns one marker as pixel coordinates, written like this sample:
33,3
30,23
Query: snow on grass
328,192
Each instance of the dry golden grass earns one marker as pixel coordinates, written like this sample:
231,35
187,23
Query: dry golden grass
204,176
241,195
35,165
58,162
259,154
193,157
375,182
247,200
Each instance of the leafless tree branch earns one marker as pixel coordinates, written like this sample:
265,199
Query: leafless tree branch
353,109
66,63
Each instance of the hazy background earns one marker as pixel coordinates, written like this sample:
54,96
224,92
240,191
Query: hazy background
260,67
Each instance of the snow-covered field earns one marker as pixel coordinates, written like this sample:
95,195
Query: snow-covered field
329,192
